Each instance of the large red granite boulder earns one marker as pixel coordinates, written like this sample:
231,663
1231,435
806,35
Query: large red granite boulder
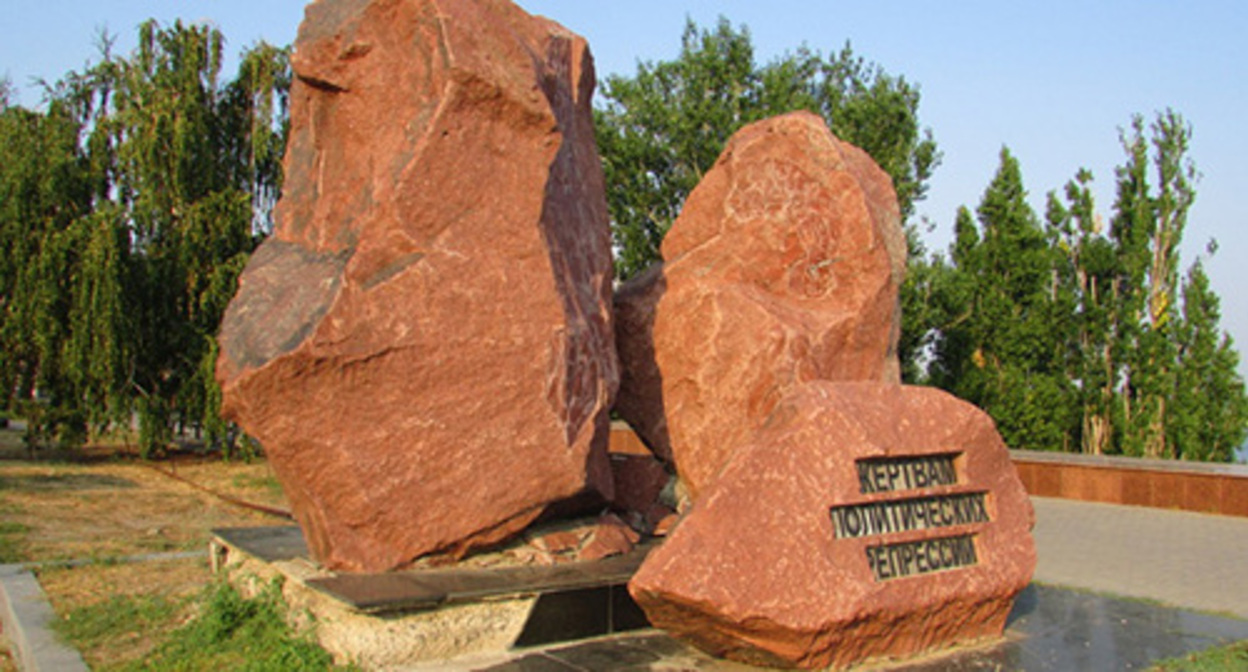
783,267
862,521
424,346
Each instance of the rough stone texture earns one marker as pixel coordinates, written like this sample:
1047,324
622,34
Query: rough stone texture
643,490
424,346
665,524
611,536
756,570
783,267
639,482
560,541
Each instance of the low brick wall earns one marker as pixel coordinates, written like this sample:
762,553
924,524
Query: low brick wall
1163,484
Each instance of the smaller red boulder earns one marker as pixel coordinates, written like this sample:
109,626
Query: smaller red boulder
863,521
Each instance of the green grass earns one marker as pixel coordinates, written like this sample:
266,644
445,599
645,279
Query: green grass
267,483
240,634
104,622
229,632
1218,659
11,535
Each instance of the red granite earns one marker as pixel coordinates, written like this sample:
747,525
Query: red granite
783,267
424,347
771,566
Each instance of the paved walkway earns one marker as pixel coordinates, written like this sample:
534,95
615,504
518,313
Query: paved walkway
1183,559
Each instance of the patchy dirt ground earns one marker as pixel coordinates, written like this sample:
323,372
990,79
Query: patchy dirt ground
81,514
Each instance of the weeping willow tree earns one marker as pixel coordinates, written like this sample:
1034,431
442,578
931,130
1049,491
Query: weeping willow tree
129,207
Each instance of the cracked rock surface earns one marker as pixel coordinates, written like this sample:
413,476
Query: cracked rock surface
424,346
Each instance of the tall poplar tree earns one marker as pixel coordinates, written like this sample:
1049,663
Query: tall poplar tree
1087,280
1078,336
1001,353
1150,217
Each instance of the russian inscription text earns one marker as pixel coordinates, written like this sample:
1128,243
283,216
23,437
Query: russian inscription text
893,561
886,516
905,473
905,515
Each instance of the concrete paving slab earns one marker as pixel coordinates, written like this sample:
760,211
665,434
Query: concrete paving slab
1190,560
27,617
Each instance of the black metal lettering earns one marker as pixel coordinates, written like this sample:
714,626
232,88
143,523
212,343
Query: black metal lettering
864,478
921,557
964,553
877,518
907,559
907,515
933,554
934,513
959,511
881,478
890,474
853,522
981,510
921,479
881,564
894,474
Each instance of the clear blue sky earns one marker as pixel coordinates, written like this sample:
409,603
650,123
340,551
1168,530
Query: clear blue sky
1052,80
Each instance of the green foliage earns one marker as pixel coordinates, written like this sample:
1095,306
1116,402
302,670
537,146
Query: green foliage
43,193
1000,353
1148,226
1073,337
923,307
127,211
662,129
1217,659
1088,292
1209,408
232,632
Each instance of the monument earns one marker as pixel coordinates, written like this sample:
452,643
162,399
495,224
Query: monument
837,516
427,349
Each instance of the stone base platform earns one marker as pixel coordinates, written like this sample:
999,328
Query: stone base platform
403,619
1051,628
